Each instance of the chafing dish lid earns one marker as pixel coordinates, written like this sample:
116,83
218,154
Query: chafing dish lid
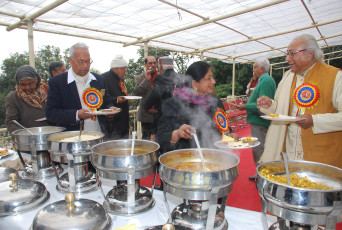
19,195
72,214
4,173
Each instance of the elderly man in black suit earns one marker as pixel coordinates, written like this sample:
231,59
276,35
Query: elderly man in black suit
65,104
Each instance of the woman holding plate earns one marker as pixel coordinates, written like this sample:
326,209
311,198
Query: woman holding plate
193,108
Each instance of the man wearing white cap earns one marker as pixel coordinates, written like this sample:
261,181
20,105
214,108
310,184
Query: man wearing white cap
117,127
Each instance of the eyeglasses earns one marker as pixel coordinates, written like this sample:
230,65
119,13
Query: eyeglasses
152,63
82,62
293,53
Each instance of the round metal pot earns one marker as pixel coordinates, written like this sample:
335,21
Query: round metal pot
198,185
113,159
72,214
81,150
300,199
23,140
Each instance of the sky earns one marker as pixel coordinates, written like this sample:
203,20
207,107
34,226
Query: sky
101,52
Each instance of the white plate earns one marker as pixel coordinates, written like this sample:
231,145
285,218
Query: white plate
104,112
132,97
10,152
225,145
287,118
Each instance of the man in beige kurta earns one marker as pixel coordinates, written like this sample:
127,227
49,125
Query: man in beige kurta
317,137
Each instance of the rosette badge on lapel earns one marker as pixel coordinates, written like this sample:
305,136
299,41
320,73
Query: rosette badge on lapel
306,96
92,98
221,120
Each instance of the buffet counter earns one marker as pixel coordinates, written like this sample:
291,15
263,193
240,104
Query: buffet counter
237,218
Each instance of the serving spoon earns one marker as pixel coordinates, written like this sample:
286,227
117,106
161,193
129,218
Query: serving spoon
284,155
133,140
16,122
199,150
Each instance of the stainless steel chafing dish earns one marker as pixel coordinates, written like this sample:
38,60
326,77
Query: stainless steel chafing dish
34,141
113,160
204,191
20,195
73,214
299,205
67,148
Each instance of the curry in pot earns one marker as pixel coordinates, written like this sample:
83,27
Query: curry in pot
197,166
295,179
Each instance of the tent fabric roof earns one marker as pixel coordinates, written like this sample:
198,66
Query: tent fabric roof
243,30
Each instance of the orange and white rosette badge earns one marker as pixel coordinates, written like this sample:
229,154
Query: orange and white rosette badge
123,87
306,96
221,120
92,98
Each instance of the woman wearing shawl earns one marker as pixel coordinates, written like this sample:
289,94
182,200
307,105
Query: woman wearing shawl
27,103
193,108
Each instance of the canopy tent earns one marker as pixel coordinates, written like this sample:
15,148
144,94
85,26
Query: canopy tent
229,30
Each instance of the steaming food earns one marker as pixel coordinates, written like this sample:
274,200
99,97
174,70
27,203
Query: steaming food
197,166
77,139
121,152
295,179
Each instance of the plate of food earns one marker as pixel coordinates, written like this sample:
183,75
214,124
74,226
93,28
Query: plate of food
104,111
132,97
243,143
4,153
280,117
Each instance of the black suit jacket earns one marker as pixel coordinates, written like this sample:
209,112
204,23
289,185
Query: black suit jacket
63,100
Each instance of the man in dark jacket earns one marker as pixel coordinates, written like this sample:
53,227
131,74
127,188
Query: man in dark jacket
65,102
164,85
117,127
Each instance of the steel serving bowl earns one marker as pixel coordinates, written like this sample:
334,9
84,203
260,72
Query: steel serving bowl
23,139
200,183
113,159
81,150
301,199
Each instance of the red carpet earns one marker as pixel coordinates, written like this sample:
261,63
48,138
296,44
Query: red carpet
244,194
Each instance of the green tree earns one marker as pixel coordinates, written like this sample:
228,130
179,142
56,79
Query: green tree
43,57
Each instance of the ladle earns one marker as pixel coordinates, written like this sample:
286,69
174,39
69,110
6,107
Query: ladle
81,129
284,155
14,121
133,140
199,149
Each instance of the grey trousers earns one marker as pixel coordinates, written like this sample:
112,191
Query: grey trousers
258,131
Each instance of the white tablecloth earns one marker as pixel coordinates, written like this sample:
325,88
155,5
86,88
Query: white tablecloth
238,219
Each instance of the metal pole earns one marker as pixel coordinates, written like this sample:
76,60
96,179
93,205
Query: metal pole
30,42
271,70
233,83
145,49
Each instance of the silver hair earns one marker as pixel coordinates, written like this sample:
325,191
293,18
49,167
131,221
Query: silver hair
263,63
311,44
76,46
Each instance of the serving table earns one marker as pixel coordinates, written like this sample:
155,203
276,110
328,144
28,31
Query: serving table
238,218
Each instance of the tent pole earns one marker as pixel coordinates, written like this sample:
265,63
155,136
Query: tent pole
30,42
145,49
233,83
271,70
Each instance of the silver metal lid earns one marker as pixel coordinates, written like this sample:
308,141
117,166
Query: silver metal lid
4,173
72,214
19,195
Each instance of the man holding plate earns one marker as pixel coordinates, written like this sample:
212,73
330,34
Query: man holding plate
266,86
312,91
77,94
118,126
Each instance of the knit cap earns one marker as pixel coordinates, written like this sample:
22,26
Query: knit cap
118,62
